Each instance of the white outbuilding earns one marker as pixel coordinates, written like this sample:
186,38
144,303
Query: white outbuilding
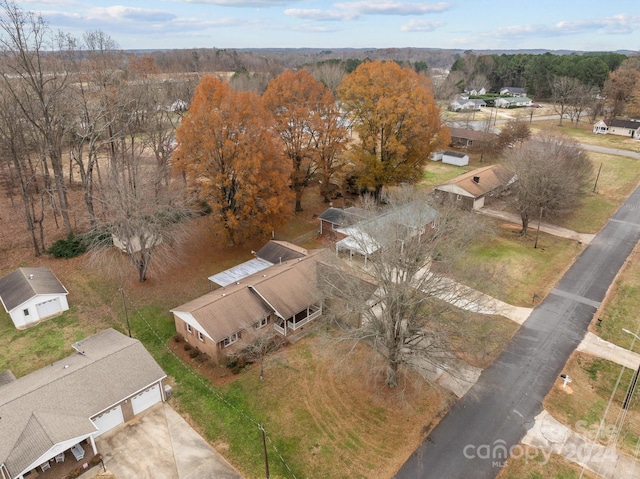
30,295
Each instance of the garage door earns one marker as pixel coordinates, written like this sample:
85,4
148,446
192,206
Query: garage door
48,308
146,399
108,420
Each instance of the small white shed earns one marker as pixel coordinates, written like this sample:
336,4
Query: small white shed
30,295
453,158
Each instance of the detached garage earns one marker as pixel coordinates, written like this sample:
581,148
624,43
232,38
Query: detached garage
30,295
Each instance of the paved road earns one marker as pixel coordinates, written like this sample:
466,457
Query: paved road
612,151
495,414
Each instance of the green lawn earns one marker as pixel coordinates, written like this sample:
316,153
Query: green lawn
618,177
583,133
519,269
530,464
585,404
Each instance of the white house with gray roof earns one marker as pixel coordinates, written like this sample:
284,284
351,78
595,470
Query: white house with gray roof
58,411
30,295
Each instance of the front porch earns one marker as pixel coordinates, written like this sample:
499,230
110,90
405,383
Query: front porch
298,320
65,465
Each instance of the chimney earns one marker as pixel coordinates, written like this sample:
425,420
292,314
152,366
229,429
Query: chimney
476,179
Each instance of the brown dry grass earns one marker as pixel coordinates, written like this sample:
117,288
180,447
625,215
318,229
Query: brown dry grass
350,424
341,412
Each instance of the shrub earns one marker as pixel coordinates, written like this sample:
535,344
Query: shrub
194,353
205,208
70,247
99,237
74,473
202,357
95,460
187,347
178,338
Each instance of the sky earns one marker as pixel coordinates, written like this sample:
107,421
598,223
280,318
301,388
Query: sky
583,25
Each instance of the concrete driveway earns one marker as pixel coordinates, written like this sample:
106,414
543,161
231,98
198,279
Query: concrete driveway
159,444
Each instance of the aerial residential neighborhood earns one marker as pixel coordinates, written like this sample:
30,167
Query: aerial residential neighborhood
266,252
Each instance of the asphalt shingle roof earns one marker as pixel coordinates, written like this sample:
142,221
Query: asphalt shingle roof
55,403
25,283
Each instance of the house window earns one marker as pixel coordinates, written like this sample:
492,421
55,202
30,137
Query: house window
25,312
260,324
201,336
230,340
188,328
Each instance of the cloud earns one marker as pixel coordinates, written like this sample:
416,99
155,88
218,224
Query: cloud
243,3
393,8
320,15
122,13
346,11
615,24
416,25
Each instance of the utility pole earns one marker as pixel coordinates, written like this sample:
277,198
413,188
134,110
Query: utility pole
538,230
126,314
634,381
597,177
264,449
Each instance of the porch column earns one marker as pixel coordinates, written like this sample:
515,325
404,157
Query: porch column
93,445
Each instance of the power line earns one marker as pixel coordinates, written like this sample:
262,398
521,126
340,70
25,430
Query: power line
216,394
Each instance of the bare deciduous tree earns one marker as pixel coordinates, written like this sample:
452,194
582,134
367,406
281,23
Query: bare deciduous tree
406,312
552,172
37,80
147,227
16,151
563,91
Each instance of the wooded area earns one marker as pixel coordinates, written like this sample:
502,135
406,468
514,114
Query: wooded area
152,138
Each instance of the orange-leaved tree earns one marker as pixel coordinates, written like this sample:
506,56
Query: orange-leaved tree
230,155
306,120
396,120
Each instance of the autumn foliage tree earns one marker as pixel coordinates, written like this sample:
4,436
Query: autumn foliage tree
622,85
230,155
306,121
396,120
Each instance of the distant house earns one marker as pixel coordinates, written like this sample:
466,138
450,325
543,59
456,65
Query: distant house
475,91
451,158
512,102
414,217
465,104
334,218
464,138
284,296
513,91
30,295
614,126
134,244
473,189
59,410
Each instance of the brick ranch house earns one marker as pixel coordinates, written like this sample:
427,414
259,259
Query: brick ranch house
283,296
